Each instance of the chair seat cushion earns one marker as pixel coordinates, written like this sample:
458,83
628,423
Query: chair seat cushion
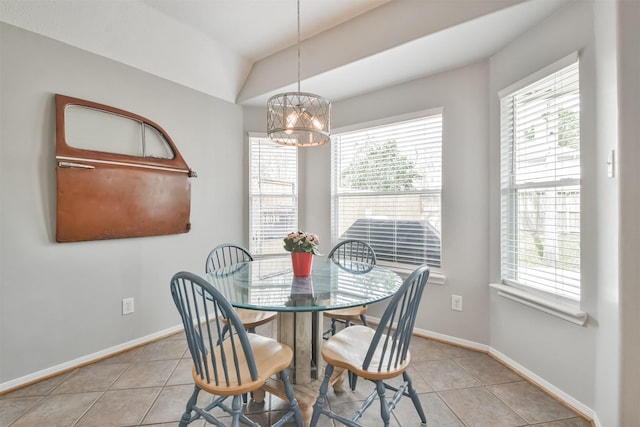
348,349
347,313
270,355
252,318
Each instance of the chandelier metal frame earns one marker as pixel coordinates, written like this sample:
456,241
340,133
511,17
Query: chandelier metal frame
299,118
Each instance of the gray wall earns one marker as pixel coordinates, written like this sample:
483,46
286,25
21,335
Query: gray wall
61,302
580,362
559,352
462,94
628,16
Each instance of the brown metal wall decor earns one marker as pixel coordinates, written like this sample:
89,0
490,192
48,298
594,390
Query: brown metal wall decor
140,188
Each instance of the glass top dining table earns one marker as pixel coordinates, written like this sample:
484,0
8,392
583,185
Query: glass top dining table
269,284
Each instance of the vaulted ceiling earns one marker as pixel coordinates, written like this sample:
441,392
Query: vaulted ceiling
244,51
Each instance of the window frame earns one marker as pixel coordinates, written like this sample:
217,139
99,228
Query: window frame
263,138
436,275
557,302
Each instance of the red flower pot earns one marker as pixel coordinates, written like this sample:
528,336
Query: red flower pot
301,262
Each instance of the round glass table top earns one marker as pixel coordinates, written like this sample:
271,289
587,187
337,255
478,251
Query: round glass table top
269,284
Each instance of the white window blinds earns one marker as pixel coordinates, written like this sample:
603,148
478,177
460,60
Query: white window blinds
386,189
273,195
540,184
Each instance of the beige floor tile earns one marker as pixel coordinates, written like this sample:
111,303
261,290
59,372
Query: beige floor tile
61,410
171,404
39,389
445,375
164,350
120,408
570,422
153,383
531,403
171,425
96,377
146,374
437,413
371,416
363,389
182,374
12,408
417,380
488,370
424,349
477,407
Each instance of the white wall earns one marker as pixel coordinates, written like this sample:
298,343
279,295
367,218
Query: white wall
61,302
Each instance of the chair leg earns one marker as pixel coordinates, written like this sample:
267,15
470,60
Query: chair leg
414,398
333,326
353,380
363,319
245,398
186,417
384,407
236,407
293,402
322,397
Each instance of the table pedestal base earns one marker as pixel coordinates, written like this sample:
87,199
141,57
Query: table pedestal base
302,331
306,394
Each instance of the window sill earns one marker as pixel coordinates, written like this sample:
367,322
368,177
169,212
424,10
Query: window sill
435,274
555,308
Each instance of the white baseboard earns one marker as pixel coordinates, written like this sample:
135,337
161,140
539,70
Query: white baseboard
453,340
84,360
540,382
548,387
545,385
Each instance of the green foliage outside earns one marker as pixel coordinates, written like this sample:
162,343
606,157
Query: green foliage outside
394,171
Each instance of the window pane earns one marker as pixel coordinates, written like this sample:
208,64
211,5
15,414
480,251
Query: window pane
541,184
92,129
386,189
155,145
273,209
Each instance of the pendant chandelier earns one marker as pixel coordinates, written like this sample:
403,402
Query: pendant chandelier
298,118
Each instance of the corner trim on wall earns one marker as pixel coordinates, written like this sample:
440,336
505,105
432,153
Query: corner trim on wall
85,360
563,311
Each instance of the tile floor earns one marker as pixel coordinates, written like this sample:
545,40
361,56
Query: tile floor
149,386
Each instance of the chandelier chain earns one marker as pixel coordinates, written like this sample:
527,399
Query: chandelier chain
298,45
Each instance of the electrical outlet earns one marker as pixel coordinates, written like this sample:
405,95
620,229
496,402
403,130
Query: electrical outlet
456,302
127,306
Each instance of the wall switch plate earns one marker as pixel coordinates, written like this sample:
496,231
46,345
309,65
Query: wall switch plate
611,164
456,302
127,306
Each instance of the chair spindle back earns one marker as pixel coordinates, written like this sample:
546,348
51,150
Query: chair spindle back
390,342
226,254
353,250
202,309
